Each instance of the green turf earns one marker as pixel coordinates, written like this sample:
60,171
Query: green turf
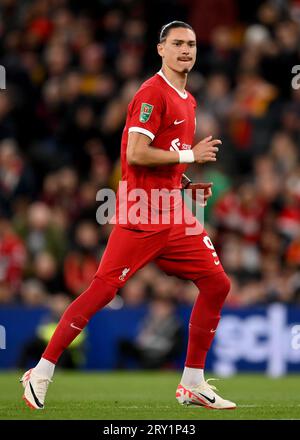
149,396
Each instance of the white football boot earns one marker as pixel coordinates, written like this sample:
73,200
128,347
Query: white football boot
35,389
202,395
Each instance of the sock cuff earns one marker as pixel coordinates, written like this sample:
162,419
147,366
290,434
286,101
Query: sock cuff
204,331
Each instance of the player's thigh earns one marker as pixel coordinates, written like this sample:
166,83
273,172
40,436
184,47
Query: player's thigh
126,252
190,257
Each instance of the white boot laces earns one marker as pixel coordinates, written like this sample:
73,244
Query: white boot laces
212,387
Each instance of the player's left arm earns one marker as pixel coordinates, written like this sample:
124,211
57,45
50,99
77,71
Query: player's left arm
205,187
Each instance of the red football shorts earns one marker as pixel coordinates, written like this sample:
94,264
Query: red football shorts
186,256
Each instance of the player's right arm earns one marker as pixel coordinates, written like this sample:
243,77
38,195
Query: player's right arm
139,151
145,115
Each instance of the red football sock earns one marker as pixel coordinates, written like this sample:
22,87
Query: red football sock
76,317
205,317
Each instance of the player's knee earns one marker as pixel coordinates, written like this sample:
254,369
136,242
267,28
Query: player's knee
226,284
79,322
103,290
217,286
222,286
93,299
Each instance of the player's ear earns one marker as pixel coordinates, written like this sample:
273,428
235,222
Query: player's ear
160,49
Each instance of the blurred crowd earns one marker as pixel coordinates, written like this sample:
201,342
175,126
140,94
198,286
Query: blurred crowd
72,67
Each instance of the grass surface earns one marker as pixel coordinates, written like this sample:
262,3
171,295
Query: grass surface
149,396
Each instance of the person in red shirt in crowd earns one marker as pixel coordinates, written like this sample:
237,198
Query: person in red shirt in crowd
12,257
81,263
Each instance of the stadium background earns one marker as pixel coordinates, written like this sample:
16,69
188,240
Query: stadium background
71,70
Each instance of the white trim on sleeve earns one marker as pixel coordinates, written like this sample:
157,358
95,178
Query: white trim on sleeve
142,131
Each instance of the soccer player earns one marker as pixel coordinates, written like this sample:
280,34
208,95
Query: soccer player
157,146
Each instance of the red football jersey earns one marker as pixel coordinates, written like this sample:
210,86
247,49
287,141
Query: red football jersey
167,117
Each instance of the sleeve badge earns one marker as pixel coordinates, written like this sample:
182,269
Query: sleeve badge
146,110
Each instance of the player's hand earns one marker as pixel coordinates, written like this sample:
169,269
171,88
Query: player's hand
204,195
206,150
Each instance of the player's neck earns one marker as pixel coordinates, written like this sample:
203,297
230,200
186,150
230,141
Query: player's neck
178,80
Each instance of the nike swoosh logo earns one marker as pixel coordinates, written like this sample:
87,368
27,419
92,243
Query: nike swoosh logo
207,398
213,331
178,122
74,326
39,404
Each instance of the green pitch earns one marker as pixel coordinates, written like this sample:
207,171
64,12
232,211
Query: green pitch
149,396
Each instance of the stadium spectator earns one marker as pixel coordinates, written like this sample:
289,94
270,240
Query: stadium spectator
159,339
12,261
40,233
81,263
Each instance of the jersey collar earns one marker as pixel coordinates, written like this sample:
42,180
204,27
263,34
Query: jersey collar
183,95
